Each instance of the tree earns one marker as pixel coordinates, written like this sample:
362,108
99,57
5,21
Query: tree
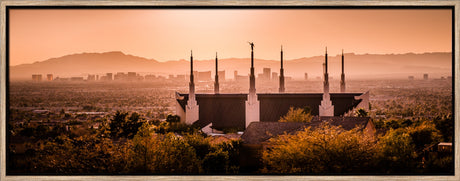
445,125
173,118
175,155
216,162
296,115
87,154
123,126
233,149
423,135
116,124
132,125
142,152
162,153
326,149
397,152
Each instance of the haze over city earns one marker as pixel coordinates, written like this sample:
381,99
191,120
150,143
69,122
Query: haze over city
169,34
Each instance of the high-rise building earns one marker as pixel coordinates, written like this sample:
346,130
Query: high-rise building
204,76
49,77
266,74
91,77
222,75
425,76
109,76
37,77
274,76
132,76
239,77
119,76
306,76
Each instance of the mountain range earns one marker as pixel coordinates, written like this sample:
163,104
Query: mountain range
356,65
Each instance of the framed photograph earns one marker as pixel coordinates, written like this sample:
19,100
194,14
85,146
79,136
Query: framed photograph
229,90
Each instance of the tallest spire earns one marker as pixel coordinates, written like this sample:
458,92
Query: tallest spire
252,104
252,79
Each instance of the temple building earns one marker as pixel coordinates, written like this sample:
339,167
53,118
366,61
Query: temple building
238,111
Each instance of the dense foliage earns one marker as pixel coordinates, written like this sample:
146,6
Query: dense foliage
327,149
330,149
110,149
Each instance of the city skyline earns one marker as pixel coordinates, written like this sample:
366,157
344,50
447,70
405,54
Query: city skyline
168,34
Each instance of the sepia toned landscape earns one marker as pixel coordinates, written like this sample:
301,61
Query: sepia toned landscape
71,128
209,100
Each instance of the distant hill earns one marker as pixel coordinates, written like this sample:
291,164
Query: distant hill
357,66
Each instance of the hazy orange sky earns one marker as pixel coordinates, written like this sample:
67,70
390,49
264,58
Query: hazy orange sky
168,34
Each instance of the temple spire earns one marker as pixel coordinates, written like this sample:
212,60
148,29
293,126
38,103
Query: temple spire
191,62
281,88
191,84
192,108
252,104
326,60
326,108
216,83
342,79
326,74
252,79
